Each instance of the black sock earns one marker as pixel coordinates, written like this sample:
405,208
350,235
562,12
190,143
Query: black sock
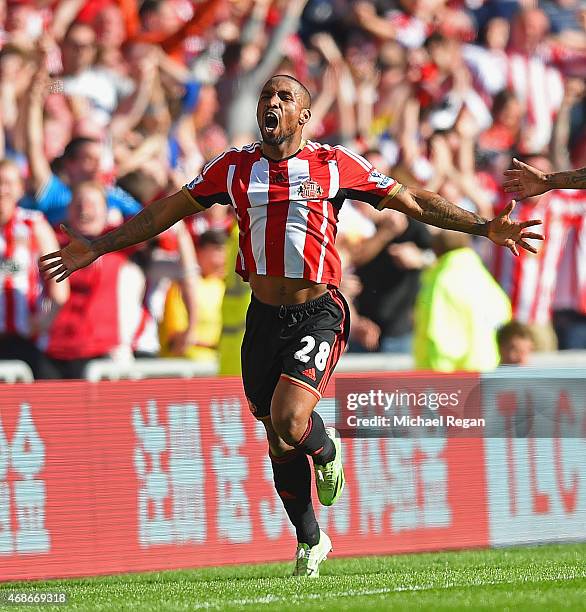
316,442
292,476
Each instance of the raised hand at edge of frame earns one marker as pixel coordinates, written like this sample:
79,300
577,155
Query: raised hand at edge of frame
525,180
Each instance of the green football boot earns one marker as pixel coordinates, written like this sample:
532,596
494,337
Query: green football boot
329,478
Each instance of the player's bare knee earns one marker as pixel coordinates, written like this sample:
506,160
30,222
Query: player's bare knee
291,409
277,445
289,426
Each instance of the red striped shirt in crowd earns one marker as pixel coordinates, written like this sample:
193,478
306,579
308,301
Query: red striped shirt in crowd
287,210
22,288
555,278
540,89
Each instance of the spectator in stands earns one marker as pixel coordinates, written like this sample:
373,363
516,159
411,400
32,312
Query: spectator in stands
456,318
211,255
537,85
530,281
515,343
563,16
388,265
148,92
489,62
170,257
161,25
103,310
15,74
234,307
110,34
505,131
248,66
81,161
83,81
27,307
410,23
160,17
565,261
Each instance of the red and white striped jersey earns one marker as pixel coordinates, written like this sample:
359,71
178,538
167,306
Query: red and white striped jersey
556,277
287,210
566,253
540,89
20,281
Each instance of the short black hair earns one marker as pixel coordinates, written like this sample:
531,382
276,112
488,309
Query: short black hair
502,98
304,89
148,6
513,329
216,237
140,185
436,38
74,145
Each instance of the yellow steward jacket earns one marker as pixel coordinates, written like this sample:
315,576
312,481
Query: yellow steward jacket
458,310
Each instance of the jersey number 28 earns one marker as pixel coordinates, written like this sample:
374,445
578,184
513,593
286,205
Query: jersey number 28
321,357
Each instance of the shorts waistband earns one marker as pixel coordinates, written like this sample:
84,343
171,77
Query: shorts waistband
284,309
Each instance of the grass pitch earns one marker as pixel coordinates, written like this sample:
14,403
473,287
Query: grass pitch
549,578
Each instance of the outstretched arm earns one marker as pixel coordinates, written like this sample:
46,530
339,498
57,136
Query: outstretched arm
153,220
528,181
571,179
433,209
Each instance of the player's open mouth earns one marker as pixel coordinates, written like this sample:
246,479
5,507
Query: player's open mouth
271,121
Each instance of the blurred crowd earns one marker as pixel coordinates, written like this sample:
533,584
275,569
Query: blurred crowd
107,105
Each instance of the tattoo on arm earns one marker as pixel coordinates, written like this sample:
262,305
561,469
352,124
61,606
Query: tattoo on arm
435,210
573,179
150,221
138,229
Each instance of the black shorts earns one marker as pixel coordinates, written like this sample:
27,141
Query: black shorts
302,343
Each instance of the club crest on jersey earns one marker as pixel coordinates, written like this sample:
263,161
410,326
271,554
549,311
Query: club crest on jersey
380,179
310,190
